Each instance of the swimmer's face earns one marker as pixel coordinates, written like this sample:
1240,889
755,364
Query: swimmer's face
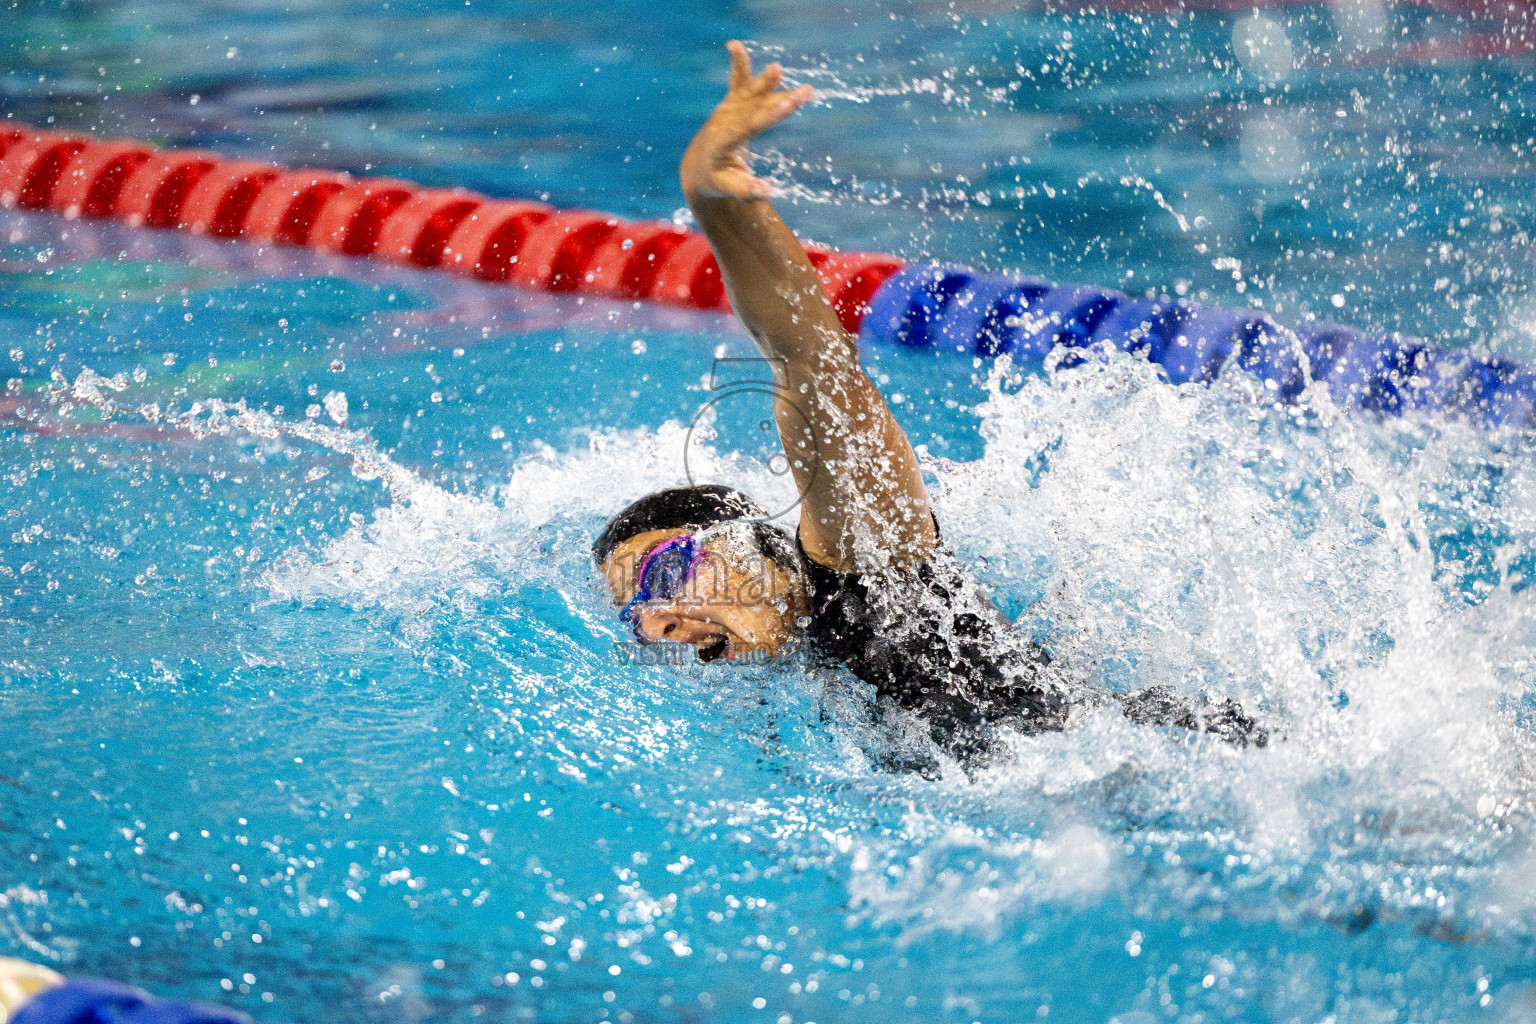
739,605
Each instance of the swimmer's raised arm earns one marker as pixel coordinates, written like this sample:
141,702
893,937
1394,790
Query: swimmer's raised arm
857,471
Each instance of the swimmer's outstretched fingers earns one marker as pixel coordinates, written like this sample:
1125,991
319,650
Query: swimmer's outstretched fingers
752,106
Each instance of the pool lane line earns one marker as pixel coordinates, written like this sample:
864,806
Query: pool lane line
78,1000
535,246
527,244
939,306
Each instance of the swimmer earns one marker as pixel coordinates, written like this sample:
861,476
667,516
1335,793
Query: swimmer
867,580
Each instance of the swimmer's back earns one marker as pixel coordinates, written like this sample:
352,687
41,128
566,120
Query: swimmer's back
930,641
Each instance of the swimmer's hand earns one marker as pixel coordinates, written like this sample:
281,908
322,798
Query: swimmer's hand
716,164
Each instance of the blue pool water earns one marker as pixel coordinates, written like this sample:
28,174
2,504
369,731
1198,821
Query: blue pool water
314,708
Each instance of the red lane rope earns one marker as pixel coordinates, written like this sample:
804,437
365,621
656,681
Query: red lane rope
531,245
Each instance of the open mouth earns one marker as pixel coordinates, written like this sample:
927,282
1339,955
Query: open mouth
713,649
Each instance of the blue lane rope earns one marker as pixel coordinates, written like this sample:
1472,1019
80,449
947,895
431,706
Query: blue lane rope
955,308
108,1002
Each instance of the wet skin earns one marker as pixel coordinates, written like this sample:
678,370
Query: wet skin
863,478
735,609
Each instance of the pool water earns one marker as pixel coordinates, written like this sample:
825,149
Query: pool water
316,709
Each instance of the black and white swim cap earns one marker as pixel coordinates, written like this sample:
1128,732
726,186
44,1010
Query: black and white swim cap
695,508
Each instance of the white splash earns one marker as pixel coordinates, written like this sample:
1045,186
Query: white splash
1199,538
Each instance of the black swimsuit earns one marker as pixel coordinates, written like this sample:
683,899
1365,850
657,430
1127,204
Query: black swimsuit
932,642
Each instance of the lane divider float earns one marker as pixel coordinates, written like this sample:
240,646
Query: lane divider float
534,245
531,245
108,1002
951,307
33,994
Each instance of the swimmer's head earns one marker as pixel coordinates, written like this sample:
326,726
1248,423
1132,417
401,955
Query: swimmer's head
702,566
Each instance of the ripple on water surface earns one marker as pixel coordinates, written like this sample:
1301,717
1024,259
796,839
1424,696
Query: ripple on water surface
419,737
